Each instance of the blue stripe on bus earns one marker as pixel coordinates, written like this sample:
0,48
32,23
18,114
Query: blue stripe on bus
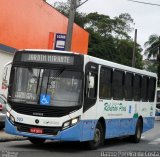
84,130
122,127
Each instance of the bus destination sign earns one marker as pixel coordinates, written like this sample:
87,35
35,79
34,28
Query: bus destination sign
48,58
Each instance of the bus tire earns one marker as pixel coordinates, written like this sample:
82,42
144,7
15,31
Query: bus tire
2,127
98,139
138,132
37,141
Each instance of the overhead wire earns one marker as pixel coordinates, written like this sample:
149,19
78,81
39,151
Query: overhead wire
145,3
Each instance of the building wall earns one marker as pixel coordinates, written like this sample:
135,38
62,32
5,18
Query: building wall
27,23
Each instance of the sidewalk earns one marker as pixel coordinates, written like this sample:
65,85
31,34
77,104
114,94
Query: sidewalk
4,137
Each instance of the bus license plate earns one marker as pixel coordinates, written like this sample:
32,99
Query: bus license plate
36,130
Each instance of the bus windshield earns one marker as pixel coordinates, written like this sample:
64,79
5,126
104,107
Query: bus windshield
64,87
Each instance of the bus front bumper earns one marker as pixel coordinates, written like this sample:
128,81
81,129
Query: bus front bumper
71,134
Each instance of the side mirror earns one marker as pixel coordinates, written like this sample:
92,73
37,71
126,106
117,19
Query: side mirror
91,81
6,72
5,84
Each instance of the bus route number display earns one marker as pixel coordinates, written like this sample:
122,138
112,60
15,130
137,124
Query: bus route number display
43,58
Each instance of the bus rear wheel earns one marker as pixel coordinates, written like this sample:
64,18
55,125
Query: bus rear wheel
37,141
137,136
98,137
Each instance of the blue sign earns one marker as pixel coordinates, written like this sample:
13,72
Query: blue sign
60,41
45,99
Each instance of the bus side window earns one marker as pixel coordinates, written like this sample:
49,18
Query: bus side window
105,88
137,87
118,82
128,86
151,91
144,89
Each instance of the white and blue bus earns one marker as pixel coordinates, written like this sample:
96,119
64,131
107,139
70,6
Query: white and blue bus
66,96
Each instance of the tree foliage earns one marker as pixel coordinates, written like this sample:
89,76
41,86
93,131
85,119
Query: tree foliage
153,50
109,37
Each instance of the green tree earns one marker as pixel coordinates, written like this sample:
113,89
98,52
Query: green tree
108,37
118,27
153,50
150,65
123,25
125,51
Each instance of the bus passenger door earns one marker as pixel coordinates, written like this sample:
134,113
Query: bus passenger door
90,98
91,83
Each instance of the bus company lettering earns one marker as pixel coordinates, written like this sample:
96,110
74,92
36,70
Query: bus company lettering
51,58
114,107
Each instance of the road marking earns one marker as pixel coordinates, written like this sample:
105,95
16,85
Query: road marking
156,141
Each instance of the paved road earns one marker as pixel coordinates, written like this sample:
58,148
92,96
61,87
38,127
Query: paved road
150,142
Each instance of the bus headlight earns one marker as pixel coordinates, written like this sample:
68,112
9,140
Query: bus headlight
71,122
66,125
74,121
10,117
7,114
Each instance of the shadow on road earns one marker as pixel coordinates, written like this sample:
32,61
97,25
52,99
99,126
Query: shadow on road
71,147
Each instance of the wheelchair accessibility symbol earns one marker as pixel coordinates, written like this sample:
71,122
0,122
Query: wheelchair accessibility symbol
45,99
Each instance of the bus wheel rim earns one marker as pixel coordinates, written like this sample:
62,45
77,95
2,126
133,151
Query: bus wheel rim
97,136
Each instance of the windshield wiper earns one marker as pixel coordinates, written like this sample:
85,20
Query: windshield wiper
38,81
48,82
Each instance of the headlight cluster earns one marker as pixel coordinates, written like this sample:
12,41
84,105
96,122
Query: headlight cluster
10,117
70,123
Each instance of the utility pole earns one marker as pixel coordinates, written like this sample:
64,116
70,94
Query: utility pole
134,48
72,12
73,6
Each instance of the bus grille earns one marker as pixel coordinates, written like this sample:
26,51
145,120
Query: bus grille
46,130
42,111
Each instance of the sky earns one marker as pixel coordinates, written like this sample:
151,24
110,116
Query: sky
146,17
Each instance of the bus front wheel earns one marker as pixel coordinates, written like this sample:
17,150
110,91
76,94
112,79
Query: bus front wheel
138,132
37,141
98,137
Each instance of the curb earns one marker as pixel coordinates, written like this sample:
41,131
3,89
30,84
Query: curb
12,139
7,137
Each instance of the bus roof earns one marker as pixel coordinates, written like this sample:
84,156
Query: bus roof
120,66
47,50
